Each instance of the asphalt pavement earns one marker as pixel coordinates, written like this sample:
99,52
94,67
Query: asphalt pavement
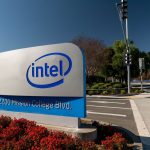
129,112
113,110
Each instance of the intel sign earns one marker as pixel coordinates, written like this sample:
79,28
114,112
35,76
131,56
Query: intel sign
46,79
46,70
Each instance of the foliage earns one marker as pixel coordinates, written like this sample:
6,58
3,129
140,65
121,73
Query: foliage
118,60
104,62
94,50
110,88
4,121
135,53
22,134
146,57
98,86
103,130
90,92
136,90
118,85
114,61
116,141
105,92
110,138
91,79
122,92
107,68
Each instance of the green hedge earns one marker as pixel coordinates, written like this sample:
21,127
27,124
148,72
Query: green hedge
109,89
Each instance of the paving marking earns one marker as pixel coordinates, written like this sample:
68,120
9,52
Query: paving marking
106,102
107,114
107,107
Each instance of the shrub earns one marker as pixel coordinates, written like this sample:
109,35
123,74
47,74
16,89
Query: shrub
141,91
87,86
116,141
58,141
107,85
95,87
103,130
101,86
4,121
106,88
108,143
105,92
91,92
113,91
22,134
117,85
136,91
96,79
122,92
88,145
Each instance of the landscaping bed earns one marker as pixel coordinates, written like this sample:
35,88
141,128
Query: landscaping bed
22,134
110,88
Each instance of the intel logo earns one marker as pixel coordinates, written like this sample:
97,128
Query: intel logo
49,70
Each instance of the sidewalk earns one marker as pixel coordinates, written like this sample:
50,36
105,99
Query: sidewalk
141,110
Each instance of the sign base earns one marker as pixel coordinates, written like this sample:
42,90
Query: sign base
70,122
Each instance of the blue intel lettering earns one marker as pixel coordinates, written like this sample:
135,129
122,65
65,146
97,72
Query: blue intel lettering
47,70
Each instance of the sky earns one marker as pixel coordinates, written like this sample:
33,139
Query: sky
27,23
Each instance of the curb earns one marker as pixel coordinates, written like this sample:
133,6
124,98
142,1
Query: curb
106,96
144,95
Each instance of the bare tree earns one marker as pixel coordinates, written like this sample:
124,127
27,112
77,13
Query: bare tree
93,50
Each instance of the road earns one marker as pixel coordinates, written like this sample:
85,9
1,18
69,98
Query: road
114,110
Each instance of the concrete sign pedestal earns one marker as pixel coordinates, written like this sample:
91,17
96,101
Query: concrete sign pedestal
70,122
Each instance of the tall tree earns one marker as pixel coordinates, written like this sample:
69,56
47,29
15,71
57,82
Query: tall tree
135,60
146,57
119,60
93,50
107,68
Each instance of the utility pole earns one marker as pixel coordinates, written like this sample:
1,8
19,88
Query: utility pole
123,14
128,51
125,17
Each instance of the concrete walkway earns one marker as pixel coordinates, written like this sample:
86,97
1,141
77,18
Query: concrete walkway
141,110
